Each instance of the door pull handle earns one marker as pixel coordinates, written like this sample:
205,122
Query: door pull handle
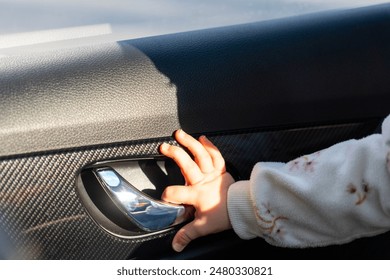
147,213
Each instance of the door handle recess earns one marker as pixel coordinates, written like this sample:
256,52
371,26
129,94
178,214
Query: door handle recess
146,213
122,196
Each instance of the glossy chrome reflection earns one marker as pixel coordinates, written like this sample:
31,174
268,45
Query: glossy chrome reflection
147,213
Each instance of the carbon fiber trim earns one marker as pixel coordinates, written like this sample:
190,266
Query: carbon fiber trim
42,214
44,218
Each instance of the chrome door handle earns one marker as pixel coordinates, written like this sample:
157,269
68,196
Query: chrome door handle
145,212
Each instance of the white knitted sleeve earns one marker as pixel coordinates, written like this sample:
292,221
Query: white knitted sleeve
329,197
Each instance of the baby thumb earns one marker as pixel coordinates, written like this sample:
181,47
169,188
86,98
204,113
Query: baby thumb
184,236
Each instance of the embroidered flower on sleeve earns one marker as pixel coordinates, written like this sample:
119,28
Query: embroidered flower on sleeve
294,165
305,163
360,193
269,223
308,164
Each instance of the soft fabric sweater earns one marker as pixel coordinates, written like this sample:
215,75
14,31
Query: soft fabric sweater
332,196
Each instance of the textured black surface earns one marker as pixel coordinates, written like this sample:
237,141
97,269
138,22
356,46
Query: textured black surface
44,218
324,67
42,214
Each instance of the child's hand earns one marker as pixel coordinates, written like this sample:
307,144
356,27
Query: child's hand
207,185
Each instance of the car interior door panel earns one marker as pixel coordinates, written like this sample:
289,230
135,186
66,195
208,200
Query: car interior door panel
81,126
